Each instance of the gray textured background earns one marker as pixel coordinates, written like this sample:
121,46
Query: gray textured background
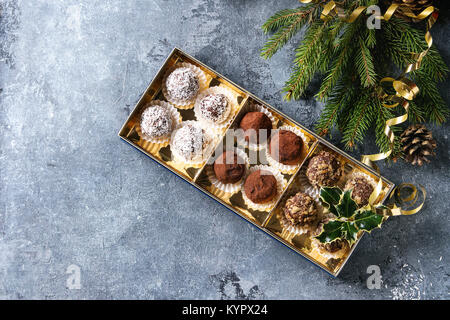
73,193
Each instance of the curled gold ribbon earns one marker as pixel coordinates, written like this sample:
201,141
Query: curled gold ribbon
405,90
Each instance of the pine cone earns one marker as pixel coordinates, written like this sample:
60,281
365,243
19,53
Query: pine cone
417,144
409,7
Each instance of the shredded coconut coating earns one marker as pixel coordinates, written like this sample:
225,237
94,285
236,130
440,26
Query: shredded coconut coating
213,107
182,84
189,142
156,122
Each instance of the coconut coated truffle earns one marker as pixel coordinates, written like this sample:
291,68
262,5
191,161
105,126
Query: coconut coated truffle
156,122
182,84
214,107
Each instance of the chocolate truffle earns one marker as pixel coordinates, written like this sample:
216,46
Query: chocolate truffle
229,168
361,189
300,210
260,186
333,246
252,122
214,107
324,170
156,122
182,84
286,147
189,142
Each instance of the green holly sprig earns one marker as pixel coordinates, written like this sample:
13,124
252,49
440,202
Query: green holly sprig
349,220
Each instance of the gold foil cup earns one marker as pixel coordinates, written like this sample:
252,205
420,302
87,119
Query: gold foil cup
202,81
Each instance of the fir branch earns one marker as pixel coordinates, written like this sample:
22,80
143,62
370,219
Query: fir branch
289,22
364,64
343,52
360,120
306,62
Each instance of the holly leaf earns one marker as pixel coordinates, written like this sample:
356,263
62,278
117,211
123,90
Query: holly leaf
331,197
331,231
347,206
367,220
350,231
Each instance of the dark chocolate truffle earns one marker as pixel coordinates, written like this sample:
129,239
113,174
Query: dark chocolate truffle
362,189
229,168
286,147
252,122
156,122
301,210
182,84
333,246
260,186
324,170
214,107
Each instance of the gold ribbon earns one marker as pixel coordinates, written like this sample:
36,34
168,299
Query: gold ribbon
405,90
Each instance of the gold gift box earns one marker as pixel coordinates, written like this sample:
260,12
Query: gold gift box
267,221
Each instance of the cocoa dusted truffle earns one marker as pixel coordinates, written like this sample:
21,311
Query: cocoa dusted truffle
334,246
156,122
229,168
300,210
324,170
252,122
214,107
182,84
361,189
260,186
286,147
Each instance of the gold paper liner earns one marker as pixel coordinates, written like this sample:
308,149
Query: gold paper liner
197,163
228,188
227,119
202,81
253,146
281,184
176,121
284,168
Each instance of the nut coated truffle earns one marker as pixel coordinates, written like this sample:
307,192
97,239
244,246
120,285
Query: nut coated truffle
156,122
324,170
182,84
362,189
333,246
229,168
300,210
260,186
286,147
252,122
214,107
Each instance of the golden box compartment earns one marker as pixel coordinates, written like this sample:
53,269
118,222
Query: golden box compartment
266,221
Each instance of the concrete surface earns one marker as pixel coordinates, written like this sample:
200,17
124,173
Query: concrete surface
73,195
